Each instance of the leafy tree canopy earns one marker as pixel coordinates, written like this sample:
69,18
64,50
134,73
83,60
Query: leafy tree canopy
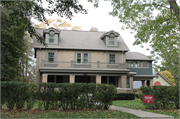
168,76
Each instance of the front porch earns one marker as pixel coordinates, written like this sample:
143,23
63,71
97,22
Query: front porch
122,82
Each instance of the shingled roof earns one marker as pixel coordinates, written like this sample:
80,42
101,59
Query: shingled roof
137,56
81,40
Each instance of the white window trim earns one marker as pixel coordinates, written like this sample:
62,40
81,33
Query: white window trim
82,57
138,67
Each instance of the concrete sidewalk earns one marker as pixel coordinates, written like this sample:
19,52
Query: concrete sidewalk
141,114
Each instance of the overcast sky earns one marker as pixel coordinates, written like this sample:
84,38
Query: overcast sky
99,17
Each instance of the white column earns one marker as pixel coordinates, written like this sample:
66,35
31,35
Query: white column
119,81
143,83
151,82
98,79
131,82
44,78
71,78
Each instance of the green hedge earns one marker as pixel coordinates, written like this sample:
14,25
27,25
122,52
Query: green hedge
165,97
59,96
125,96
15,94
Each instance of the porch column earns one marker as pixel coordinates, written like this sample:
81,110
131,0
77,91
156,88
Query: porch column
123,81
119,81
131,82
72,78
151,82
98,79
143,83
44,78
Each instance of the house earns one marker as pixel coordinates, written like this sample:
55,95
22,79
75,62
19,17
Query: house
160,80
89,56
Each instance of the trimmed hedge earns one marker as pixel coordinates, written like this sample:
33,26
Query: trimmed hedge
58,96
125,96
165,97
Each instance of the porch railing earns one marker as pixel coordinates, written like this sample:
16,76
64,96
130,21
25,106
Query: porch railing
72,64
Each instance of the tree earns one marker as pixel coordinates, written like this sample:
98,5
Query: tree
156,22
168,76
57,24
16,20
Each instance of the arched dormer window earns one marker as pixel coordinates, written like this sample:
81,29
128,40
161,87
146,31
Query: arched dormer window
110,39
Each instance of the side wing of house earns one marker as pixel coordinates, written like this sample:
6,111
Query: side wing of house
161,80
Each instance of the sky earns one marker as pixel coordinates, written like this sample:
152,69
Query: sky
99,18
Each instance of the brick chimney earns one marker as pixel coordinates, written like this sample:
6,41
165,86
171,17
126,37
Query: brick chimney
94,29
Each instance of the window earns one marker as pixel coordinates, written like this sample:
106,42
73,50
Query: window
111,40
144,64
51,79
127,82
104,79
112,58
51,37
78,57
82,57
85,57
50,56
138,64
112,80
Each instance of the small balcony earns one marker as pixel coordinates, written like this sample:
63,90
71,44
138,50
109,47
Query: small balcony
90,65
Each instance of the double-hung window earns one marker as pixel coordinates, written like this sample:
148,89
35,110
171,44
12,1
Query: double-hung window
85,57
111,40
51,37
82,57
112,58
51,57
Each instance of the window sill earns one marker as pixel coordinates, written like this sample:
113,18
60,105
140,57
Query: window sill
82,65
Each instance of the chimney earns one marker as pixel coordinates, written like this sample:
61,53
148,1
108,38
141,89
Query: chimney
94,29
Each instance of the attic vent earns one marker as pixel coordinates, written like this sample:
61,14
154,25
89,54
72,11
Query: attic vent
93,29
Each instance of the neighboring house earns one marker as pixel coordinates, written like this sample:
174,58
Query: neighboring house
160,80
89,56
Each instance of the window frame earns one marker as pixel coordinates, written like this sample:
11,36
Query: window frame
82,57
51,57
51,33
112,59
111,40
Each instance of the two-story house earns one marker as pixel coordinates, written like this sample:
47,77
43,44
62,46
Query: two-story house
89,56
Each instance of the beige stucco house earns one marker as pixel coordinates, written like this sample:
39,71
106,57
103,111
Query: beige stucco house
89,56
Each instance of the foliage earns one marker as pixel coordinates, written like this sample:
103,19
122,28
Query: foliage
156,22
16,20
58,96
70,114
168,76
165,97
125,96
15,94
57,24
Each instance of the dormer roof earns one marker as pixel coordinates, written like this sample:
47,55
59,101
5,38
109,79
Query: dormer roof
116,34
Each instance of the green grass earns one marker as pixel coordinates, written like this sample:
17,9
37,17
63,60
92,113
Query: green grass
86,114
138,104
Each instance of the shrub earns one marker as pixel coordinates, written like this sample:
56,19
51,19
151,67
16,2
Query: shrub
165,97
125,96
15,94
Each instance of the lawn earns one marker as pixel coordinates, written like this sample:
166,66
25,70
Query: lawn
73,114
39,112
138,104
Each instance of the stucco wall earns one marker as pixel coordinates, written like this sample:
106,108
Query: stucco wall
161,80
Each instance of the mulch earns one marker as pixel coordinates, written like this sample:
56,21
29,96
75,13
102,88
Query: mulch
52,110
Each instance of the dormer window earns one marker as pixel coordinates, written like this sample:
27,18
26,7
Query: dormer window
110,39
51,37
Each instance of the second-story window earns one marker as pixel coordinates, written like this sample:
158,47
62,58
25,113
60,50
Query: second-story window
82,57
78,57
112,58
85,57
51,37
51,57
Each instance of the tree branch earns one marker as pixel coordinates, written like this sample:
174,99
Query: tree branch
160,5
